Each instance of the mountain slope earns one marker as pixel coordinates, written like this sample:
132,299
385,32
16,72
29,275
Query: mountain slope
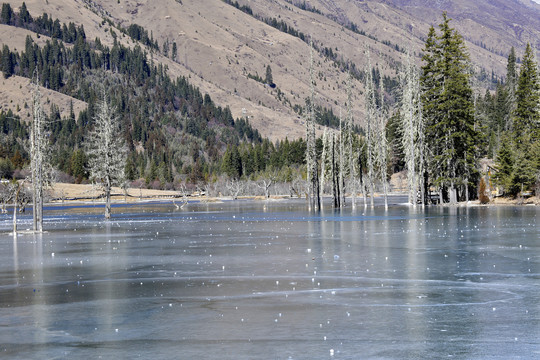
221,49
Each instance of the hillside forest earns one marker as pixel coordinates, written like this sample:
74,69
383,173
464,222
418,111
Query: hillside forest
439,130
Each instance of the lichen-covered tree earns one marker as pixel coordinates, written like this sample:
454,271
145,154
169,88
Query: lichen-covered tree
346,169
39,159
311,151
412,130
370,128
381,152
325,162
106,151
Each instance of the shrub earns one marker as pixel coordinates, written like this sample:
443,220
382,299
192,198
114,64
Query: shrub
484,199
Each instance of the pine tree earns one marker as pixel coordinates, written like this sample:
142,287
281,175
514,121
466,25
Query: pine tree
78,164
511,84
269,80
449,110
527,111
232,162
505,165
7,62
431,89
174,54
524,174
7,14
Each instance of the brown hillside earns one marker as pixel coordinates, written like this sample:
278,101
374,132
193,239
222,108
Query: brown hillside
219,46
16,93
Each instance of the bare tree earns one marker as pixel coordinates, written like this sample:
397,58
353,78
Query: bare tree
183,194
370,128
5,195
336,172
311,152
412,130
325,160
39,164
298,187
235,187
20,199
106,152
349,154
381,158
16,193
266,180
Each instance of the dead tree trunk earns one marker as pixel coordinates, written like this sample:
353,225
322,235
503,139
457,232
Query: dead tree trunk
311,152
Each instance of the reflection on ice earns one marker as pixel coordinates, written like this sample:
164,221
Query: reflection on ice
272,282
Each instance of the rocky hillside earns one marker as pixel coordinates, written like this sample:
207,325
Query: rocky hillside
226,47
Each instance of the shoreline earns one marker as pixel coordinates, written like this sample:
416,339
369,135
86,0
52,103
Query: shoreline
179,201
86,194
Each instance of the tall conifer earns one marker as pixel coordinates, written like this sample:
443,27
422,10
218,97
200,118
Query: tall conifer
448,109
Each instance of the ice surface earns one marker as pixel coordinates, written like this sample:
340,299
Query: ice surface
272,281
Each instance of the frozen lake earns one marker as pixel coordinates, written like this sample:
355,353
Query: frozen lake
249,280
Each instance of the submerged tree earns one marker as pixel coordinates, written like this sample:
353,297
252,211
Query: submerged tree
381,158
412,130
106,152
311,151
375,130
348,164
39,163
370,128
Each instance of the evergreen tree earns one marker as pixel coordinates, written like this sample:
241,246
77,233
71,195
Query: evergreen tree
449,110
7,14
527,112
174,53
505,165
78,165
7,62
24,15
232,162
511,83
269,79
